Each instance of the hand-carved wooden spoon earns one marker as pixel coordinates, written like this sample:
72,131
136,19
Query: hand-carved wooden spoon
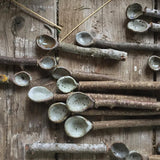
135,10
141,26
59,72
79,102
78,126
46,62
67,84
85,39
21,79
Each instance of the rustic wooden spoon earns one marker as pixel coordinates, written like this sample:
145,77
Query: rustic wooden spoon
135,10
67,84
141,26
78,126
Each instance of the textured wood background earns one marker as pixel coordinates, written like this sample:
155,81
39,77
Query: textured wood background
22,121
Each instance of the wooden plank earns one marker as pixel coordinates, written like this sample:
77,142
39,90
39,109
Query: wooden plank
25,122
110,24
157,75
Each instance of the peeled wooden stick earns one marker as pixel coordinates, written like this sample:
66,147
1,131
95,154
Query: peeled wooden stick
116,150
35,15
65,148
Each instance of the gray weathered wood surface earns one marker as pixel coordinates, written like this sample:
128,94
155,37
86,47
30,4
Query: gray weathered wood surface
22,121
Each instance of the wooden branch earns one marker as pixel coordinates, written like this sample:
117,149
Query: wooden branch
63,97
102,86
126,123
18,61
112,103
35,15
65,148
93,52
126,46
119,112
81,76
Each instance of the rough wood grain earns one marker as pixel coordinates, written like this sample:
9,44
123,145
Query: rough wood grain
24,121
110,24
156,133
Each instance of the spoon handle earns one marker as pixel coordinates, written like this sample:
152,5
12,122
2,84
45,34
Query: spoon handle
126,123
64,148
126,46
111,103
155,27
103,86
18,61
152,12
92,77
63,97
93,52
120,112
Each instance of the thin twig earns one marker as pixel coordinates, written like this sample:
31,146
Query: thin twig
84,20
35,15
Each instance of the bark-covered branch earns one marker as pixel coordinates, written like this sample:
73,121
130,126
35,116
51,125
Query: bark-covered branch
65,148
18,61
126,123
112,103
103,86
93,52
126,46
63,97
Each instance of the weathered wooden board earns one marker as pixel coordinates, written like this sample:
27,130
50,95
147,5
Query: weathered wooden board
157,78
109,24
23,121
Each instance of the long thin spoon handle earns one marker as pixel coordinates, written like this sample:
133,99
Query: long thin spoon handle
18,61
103,86
152,12
65,148
155,27
63,97
92,76
93,52
111,103
126,46
126,123
119,112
